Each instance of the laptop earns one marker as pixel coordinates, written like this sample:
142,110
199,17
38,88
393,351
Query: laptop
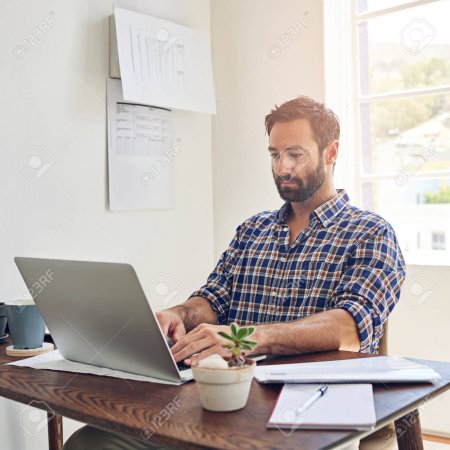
97,313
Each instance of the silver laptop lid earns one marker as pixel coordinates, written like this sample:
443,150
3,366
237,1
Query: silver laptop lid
97,313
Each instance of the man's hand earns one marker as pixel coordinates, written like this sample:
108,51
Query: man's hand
171,324
201,342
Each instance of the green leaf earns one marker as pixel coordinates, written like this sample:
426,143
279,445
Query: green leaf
233,329
242,333
225,335
247,346
249,342
251,330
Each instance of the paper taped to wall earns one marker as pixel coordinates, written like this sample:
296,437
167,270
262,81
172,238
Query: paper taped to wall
163,63
141,154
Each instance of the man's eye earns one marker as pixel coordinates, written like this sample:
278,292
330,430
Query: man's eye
296,155
274,155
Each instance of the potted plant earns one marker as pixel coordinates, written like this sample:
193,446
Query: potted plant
224,383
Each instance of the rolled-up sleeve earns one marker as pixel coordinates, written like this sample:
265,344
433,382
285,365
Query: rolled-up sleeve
217,290
370,286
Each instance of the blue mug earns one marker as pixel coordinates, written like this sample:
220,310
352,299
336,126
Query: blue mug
3,320
26,326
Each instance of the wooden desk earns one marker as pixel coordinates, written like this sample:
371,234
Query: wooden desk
173,416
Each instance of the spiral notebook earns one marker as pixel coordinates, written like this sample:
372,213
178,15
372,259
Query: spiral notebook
342,407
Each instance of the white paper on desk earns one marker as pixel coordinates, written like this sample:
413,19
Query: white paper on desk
379,369
141,154
54,361
163,63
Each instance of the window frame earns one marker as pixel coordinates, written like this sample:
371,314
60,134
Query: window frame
343,93
346,98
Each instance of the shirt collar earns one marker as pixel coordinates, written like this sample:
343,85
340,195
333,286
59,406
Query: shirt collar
326,212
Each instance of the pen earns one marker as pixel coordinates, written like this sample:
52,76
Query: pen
319,393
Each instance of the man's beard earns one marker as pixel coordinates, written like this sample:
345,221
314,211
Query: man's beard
305,188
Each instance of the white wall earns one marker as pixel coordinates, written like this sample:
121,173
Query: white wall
275,52
53,96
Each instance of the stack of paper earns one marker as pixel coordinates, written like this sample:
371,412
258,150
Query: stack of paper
381,369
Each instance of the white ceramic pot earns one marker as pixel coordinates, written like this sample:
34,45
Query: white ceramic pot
224,389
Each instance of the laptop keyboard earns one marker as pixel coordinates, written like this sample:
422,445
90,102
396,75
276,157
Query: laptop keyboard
182,366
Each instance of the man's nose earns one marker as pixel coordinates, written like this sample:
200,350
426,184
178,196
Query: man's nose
284,166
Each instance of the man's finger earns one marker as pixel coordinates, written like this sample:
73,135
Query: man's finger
191,348
205,353
164,324
185,340
178,333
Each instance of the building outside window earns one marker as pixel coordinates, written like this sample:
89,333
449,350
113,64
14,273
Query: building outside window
438,240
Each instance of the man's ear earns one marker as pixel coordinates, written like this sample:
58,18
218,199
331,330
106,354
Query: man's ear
331,152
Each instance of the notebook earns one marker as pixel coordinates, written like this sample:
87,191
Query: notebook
381,369
342,407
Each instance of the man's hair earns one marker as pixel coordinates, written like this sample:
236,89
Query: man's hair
323,122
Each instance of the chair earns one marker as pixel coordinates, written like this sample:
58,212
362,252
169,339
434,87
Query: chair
385,438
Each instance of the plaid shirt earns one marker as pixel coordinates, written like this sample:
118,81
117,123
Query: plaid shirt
346,258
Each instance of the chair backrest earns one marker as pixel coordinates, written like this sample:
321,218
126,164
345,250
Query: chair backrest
418,328
383,348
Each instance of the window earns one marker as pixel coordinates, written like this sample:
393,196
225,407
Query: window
391,85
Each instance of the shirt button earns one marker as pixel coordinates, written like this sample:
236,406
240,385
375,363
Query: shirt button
283,259
274,292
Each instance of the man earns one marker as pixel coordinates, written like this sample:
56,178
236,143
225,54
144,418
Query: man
318,274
